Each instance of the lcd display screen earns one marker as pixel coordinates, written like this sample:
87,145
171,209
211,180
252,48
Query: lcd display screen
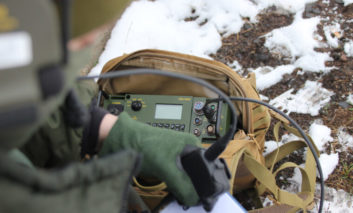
168,111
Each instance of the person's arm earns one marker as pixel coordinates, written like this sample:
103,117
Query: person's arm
160,148
105,126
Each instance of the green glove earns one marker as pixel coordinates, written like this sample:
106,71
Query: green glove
160,148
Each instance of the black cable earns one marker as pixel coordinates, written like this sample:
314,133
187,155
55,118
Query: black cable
310,145
215,149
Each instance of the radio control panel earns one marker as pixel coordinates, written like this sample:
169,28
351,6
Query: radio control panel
178,113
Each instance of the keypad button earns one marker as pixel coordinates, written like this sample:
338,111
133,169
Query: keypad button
182,127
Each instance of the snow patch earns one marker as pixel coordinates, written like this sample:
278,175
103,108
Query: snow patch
297,42
332,34
348,48
295,39
313,62
295,180
236,66
264,98
347,2
335,200
185,26
307,100
268,76
350,99
290,5
328,163
270,146
140,28
320,134
344,138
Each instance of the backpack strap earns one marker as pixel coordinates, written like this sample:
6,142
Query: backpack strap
285,201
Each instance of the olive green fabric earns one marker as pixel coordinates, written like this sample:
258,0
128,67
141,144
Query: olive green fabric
38,20
20,158
161,149
95,186
135,203
19,85
56,143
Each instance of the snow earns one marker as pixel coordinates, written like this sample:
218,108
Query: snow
308,100
350,99
344,138
196,27
296,39
348,48
290,5
236,66
297,42
313,62
335,201
347,2
320,134
140,28
268,76
330,162
295,180
332,34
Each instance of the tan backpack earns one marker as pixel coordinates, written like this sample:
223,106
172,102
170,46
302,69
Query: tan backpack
244,154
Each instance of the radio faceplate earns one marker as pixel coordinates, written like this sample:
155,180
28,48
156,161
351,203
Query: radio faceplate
179,113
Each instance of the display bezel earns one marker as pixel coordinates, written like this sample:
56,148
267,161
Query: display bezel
168,111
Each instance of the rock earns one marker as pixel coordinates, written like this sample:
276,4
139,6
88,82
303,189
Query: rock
259,42
344,104
311,10
261,57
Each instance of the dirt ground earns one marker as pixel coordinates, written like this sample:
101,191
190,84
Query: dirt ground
247,47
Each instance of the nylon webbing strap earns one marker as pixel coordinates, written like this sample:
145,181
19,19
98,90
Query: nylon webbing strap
287,202
158,187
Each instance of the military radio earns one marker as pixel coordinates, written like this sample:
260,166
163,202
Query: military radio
196,115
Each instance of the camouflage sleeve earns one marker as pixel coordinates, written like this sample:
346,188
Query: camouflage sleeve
56,144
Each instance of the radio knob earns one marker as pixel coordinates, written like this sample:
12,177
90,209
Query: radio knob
136,105
198,121
197,132
198,106
210,130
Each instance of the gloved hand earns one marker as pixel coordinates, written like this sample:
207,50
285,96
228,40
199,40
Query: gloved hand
160,148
